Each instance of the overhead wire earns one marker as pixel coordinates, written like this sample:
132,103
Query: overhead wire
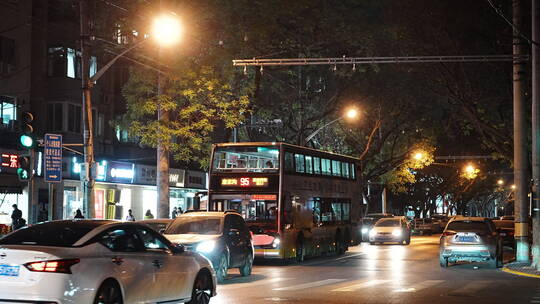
500,13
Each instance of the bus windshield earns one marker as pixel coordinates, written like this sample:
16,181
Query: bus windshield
246,159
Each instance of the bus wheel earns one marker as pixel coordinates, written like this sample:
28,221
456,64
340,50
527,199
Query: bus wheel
300,254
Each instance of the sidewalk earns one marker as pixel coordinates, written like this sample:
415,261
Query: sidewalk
521,269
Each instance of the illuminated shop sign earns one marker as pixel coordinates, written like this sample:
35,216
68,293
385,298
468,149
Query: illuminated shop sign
120,172
264,197
101,169
9,160
245,182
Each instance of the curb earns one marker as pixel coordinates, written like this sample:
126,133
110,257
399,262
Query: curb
519,273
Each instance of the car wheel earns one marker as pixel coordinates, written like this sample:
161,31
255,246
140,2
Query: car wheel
109,293
223,267
443,261
202,289
245,270
300,254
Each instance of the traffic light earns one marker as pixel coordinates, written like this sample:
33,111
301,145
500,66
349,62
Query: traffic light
24,172
27,139
27,142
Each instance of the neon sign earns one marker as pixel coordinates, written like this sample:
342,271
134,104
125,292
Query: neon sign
9,160
245,182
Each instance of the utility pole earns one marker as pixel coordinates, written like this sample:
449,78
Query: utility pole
162,176
536,132
521,210
87,175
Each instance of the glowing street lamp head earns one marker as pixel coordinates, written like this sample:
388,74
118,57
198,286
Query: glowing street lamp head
469,169
167,30
500,182
351,113
513,187
418,156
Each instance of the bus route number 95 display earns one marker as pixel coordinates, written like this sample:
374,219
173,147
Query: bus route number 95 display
245,182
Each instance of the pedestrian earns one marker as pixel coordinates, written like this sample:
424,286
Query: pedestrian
130,217
174,213
148,215
78,214
16,218
180,211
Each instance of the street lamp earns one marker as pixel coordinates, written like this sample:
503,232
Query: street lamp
470,171
167,31
351,113
500,182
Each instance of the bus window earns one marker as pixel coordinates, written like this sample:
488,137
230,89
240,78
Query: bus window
327,215
345,169
346,210
336,168
316,165
289,162
309,164
299,162
251,159
325,166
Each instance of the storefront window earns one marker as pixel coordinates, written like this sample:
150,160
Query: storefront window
72,201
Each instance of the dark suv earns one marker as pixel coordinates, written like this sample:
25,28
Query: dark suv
222,237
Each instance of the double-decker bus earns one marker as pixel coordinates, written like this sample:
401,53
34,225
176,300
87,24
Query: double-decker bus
297,201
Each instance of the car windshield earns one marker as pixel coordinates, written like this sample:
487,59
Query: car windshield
48,234
468,226
195,225
387,223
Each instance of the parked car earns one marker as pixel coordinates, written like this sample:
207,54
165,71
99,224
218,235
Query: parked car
158,225
470,239
96,261
223,237
506,231
424,226
390,230
369,220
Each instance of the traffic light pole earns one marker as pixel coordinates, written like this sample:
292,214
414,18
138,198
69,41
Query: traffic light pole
32,219
88,178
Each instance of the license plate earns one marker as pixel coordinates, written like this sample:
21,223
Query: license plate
9,271
466,239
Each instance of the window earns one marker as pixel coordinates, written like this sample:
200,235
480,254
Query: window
8,110
353,171
309,164
120,240
74,118
289,162
66,62
336,168
54,116
316,165
7,55
336,209
246,159
299,163
325,165
346,209
151,241
345,169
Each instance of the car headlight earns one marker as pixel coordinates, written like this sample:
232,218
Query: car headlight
206,246
365,230
276,243
372,232
396,232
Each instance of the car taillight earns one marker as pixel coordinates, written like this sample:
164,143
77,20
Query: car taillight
448,233
57,266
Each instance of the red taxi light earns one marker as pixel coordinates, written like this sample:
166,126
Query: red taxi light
57,266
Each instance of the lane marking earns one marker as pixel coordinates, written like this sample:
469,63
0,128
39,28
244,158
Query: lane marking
309,285
252,284
471,287
420,286
364,284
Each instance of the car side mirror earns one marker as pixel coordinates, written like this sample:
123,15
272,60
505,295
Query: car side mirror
178,248
162,230
233,232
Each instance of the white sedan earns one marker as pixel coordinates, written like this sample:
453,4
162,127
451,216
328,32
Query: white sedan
98,261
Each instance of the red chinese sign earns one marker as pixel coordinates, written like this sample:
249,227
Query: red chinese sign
9,160
245,182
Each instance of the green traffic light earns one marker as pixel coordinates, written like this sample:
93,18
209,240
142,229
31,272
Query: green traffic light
23,174
26,141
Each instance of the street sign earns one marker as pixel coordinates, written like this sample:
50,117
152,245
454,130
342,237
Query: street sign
53,158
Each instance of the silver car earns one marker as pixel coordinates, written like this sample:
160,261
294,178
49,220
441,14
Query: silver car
473,239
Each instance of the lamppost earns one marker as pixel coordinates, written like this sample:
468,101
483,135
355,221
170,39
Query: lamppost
350,114
169,35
